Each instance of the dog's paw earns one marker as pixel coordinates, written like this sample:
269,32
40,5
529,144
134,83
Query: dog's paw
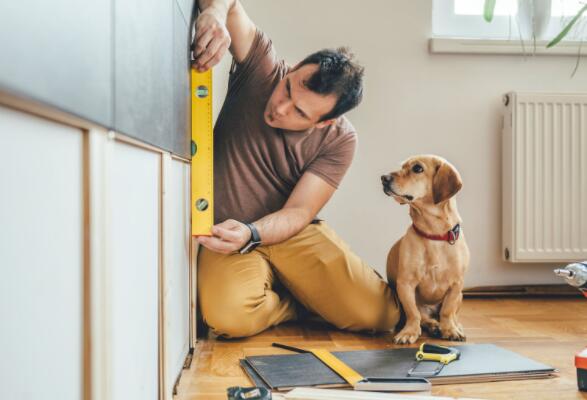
407,336
433,328
454,333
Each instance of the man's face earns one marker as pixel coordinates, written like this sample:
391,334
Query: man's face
294,107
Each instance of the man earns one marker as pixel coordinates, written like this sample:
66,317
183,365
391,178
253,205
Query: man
282,147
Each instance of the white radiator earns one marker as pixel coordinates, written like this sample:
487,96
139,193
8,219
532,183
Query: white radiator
544,177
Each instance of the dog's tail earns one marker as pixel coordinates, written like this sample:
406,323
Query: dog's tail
402,315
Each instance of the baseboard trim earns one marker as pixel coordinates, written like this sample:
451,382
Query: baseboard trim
522,291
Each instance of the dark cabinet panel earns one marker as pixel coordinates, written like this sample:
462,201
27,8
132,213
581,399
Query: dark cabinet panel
181,84
143,70
59,52
122,64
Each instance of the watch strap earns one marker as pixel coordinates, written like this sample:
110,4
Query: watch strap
253,242
255,237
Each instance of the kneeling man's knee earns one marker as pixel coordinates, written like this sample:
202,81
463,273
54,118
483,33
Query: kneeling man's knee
231,319
381,315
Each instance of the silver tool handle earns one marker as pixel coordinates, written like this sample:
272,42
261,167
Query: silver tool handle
575,274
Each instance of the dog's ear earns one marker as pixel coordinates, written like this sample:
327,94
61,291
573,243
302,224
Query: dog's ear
446,183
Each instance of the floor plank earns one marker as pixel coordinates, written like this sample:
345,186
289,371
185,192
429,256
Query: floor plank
545,329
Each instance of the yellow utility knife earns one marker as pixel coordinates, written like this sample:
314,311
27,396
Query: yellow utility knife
443,355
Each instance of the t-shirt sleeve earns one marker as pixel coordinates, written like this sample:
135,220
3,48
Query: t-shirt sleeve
258,66
333,162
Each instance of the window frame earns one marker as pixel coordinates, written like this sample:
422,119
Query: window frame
447,24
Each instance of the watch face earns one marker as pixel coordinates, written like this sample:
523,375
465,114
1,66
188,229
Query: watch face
246,249
249,247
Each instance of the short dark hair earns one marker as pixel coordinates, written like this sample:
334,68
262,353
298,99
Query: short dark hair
337,74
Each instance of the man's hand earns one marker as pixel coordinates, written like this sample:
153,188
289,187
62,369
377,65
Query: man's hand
227,237
221,25
212,39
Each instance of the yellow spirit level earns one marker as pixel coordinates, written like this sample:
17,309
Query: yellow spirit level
202,150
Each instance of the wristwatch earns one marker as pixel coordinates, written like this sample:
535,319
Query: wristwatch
253,242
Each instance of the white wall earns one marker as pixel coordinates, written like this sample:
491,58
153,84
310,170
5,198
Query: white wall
415,102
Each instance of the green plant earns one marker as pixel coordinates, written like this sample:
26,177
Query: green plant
567,28
489,8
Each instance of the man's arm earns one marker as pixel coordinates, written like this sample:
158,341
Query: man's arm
308,197
221,25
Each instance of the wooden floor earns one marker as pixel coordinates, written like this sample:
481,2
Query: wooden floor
548,330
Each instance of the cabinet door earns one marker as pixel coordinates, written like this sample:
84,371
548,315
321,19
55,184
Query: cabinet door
41,258
176,240
133,226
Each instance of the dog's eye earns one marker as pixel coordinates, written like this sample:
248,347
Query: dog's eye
417,168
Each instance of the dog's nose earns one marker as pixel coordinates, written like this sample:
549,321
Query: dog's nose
386,179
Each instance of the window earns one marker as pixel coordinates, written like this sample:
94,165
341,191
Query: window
464,19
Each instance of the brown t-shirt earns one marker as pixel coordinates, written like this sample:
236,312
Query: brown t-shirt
256,167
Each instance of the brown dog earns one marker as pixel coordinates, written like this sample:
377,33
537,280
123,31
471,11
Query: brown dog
427,265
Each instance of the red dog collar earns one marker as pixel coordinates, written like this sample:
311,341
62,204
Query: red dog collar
451,236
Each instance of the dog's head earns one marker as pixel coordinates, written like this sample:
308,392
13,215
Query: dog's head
424,179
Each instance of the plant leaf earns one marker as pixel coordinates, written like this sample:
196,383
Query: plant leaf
488,9
567,28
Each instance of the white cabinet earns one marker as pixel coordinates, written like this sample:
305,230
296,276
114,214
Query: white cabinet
133,229
94,263
41,258
176,261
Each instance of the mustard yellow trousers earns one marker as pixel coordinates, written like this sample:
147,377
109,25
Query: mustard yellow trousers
242,295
